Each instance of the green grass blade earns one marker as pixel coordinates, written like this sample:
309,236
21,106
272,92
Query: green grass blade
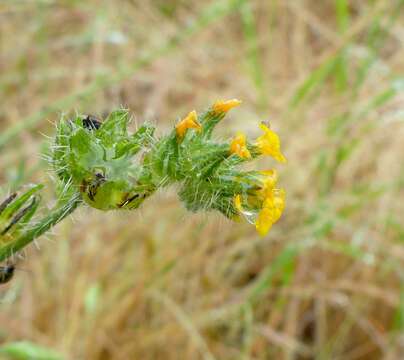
314,81
253,56
341,66
283,263
25,350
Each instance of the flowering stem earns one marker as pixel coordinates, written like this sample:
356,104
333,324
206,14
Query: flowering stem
107,167
50,220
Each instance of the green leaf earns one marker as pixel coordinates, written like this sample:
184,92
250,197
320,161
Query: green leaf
345,151
283,263
398,320
86,152
20,201
314,81
92,298
25,350
114,127
142,137
342,11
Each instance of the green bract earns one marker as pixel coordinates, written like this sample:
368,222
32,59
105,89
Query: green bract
104,162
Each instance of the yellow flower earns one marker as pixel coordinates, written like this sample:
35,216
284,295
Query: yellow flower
271,211
268,183
239,146
269,144
189,122
222,106
237,203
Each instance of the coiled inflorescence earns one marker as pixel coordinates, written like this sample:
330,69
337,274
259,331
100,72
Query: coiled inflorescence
117,170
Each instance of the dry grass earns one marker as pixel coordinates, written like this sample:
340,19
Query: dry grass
160,283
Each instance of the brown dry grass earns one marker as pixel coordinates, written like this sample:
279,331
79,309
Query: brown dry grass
160,283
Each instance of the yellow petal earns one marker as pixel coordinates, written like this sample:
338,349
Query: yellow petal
189,122
268,183
239,146
264,223
271,211
276,203
237,203
222,106
269,144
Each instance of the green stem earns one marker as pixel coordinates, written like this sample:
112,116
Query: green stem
55,216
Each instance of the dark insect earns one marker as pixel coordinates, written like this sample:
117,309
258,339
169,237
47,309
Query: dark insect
6,273
94,185
90,122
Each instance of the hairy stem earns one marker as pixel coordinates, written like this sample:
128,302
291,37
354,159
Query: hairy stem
55,216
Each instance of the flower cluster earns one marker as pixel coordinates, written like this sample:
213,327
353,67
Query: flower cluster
114,169
264,205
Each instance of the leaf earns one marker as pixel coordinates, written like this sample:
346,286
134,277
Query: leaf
91,298
87,153
25,350
314,81
17,204
283,263
114,127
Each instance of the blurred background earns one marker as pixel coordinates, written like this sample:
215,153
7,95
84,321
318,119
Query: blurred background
161,283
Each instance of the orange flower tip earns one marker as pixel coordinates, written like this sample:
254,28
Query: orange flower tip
189,122
238,146
223,106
